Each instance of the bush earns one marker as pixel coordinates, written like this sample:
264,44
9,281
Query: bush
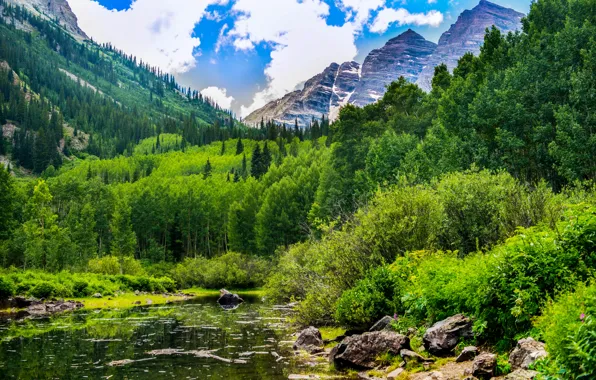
568,327
372,298
111,265
43,290
81,289
6,288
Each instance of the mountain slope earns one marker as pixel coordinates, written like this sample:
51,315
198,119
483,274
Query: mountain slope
54,10
404,55
467,35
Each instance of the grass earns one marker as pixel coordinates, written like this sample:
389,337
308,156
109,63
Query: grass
126,300
201,292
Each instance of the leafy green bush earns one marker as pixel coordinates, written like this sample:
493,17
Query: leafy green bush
568,328
6,288
43,289
373,297
111,265
233,270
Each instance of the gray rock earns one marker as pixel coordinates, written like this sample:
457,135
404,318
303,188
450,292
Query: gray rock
522,374
393,375
310,340
361,351
383,324
97,295
229,300
467,35
484,366
55,10
41,309
526,352
404,55
411,356
443,336
468,353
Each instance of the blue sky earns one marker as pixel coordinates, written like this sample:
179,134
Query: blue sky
244,53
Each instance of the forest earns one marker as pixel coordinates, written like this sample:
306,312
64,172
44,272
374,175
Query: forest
476,198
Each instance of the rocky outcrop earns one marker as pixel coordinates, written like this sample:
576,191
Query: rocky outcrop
382,324
404,55
346,82
56,10
310,340
526,353
410,356
228,300
361,351
48,308
443,336
468,353
467,35
484,366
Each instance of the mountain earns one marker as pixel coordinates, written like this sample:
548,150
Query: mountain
467,35
404,55
54,10
408,55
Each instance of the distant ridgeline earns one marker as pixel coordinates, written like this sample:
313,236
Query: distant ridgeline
62,96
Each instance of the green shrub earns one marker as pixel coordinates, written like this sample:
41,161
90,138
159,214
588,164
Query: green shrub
43,289
106,265
6,288
568,328
81,289
372,298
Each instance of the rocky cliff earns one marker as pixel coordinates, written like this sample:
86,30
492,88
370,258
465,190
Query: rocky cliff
467,35
404,55
54,10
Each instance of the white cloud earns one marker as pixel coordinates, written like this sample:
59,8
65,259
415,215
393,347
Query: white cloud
157,31
302,42
432,1
219,95
388,16
359,10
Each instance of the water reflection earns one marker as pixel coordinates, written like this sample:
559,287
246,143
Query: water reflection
193,340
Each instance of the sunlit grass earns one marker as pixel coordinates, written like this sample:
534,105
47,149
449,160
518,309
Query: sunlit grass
127,300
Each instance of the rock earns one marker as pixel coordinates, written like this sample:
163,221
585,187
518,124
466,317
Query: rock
97,295
229,300
310,340
22,302
526,352
149,302
443,336
136,303
137,292
521,374
435,375
41,309
484,366
411,356
383,324
469,353
56,10
467,35
361,351
393,375
404,55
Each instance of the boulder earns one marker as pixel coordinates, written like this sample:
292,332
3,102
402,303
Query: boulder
42,309
22,302
484,366
443,336
97,295
468,353
361,351
521,374
411,356
526,352
383,324
310,340
229,300
393,375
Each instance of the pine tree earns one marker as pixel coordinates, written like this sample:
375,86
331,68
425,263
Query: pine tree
265,159
256,162
223,148
239,146
124,240
244,168
207,170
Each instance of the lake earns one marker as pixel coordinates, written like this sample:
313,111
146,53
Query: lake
250,342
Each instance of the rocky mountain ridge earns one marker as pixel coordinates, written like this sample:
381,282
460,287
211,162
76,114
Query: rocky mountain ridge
57,10
408,55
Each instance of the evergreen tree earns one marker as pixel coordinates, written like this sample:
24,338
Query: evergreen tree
256,163
7,200
239,146
207,169
223,148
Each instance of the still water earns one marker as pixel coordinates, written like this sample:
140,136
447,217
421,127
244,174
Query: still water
250,342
